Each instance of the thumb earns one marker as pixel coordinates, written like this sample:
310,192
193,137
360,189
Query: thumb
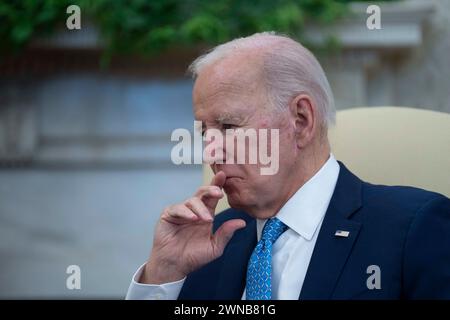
218,180
224,234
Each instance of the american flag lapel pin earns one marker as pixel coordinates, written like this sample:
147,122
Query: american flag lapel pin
342,233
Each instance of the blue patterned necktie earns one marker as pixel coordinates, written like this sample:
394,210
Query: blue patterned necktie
259,271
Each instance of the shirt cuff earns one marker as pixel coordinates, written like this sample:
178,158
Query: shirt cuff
142,291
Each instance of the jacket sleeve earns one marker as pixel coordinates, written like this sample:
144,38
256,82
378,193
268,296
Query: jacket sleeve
426,260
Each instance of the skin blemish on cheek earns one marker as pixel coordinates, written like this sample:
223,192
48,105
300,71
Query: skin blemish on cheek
265,123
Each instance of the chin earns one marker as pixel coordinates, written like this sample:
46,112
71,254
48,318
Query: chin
236,201
233,200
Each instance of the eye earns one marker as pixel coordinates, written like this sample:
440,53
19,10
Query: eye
226,126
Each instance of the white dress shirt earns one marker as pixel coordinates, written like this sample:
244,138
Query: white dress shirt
303,213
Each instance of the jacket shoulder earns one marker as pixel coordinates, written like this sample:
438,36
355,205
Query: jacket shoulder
398,199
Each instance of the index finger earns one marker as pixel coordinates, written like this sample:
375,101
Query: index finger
211,202
219,179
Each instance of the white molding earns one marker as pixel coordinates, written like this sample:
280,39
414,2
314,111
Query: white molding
401,26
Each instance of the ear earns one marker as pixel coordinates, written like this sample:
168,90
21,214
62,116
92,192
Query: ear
304,115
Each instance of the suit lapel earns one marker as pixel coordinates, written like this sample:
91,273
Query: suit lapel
331,252
232,277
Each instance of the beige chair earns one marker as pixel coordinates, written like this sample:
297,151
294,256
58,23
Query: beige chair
392,146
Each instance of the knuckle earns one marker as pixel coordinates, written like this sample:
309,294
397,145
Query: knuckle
175,208
189,202
204,190
213,188
215,191
197,200
167,210
200,191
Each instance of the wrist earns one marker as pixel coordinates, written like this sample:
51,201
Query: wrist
155,272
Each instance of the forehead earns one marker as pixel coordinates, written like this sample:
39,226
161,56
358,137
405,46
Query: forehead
226,88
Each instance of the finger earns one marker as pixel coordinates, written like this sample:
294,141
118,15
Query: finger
179,214
199,208
219,179
209,192
224,234
211,201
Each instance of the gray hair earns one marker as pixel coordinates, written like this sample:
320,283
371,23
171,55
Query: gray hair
289,69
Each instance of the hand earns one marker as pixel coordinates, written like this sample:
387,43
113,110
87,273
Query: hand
184,241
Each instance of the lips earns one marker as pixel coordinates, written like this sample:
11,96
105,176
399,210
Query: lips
233,177
228,175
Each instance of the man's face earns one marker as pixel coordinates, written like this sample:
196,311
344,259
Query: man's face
227,96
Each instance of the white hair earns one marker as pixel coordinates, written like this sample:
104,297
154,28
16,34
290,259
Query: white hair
289,69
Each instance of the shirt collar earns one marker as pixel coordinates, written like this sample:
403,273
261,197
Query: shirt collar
304,211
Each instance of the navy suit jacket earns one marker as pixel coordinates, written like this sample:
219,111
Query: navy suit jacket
404,231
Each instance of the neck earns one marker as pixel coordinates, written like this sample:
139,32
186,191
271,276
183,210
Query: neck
307,165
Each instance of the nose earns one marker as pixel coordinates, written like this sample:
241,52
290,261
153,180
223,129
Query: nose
214,151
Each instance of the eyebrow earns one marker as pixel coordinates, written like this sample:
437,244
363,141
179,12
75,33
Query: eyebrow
228,117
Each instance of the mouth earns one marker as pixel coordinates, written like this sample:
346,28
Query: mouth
229,178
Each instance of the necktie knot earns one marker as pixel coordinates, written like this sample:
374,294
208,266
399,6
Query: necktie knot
273,230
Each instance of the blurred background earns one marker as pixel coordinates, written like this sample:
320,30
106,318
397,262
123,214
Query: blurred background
86,114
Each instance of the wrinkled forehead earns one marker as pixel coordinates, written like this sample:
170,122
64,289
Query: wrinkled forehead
228,85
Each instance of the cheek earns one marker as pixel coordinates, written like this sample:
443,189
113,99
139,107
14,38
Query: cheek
287,141
265,123
250,176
